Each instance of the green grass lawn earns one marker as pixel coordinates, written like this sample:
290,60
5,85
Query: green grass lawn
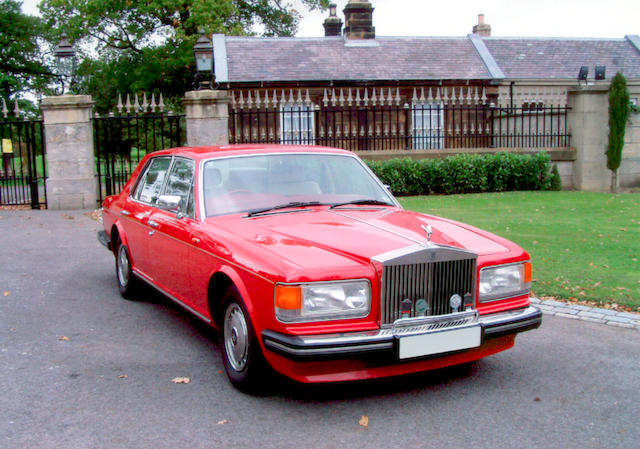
584,246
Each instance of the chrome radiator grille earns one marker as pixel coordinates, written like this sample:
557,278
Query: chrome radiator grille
434,282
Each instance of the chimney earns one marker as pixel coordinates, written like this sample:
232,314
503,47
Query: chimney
333,23
482,29
358,19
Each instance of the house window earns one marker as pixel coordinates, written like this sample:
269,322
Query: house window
297,125
532,106
427,126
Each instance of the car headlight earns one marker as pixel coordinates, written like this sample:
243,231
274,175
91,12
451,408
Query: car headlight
322,301
505,281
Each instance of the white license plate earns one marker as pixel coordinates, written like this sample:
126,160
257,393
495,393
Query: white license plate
439,342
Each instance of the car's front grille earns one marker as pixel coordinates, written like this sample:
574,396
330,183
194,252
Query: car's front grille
432,282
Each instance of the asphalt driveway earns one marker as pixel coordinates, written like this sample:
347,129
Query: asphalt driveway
83,368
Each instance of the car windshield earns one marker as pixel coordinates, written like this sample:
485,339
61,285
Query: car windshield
262,182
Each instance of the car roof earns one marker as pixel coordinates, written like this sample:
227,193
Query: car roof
205,152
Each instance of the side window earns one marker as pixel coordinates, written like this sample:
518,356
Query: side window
150,185
180,183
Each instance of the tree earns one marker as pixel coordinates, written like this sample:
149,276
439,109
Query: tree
133,46
618,115
21,59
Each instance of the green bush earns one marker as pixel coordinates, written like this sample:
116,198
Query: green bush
468,173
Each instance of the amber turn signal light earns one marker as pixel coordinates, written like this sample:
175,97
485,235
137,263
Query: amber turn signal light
288,297
528,269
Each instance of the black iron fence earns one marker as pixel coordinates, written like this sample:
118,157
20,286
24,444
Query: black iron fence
122,141
416,127
378,123
23,166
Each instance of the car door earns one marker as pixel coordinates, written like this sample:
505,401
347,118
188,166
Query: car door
170,241
138,208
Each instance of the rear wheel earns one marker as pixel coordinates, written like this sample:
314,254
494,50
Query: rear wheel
243,360
127,282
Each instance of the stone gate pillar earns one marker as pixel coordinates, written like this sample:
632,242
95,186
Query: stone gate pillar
207,114
71,182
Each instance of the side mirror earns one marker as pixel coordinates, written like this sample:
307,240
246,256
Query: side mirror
169,202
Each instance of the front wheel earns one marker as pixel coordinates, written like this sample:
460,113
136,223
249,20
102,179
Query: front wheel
243,359
127,282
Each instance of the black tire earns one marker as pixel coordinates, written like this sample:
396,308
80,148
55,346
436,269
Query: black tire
127,281
243,361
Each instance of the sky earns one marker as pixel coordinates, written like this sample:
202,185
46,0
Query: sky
550,18
527,18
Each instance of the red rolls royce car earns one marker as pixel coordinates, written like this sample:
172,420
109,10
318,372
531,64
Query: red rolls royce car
308,265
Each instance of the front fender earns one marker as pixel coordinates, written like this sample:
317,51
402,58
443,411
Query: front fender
259,303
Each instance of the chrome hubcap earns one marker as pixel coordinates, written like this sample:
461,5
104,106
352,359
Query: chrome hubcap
123,266
236,337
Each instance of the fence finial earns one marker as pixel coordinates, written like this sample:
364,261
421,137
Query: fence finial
153,103
161,104
136,104
4,109
16,109
374,99
249,100
127,104
119,104
145,105
307,99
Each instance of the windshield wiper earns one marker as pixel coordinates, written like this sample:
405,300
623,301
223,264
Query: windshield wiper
282,206
362,201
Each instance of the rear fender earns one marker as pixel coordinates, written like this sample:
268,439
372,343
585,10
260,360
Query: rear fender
121,235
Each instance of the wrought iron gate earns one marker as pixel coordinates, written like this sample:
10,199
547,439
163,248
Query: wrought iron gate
122,141
23,166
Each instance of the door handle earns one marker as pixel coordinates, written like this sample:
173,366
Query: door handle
195,240
153,224
151,233
125,212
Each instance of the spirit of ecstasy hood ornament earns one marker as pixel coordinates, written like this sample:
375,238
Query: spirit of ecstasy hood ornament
429,230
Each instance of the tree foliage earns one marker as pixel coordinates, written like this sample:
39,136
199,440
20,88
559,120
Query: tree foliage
132,46
21,57
618,115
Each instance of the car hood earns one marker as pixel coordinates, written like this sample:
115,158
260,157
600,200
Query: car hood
317,238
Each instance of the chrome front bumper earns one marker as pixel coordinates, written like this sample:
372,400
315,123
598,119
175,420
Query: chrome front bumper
384,341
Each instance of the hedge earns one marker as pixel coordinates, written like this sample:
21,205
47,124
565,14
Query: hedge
468,173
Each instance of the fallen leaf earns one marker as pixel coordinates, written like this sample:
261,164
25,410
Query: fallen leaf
63,338
536,399
68,217
7,293
364,421
223,422
181,380
219,371
122,376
